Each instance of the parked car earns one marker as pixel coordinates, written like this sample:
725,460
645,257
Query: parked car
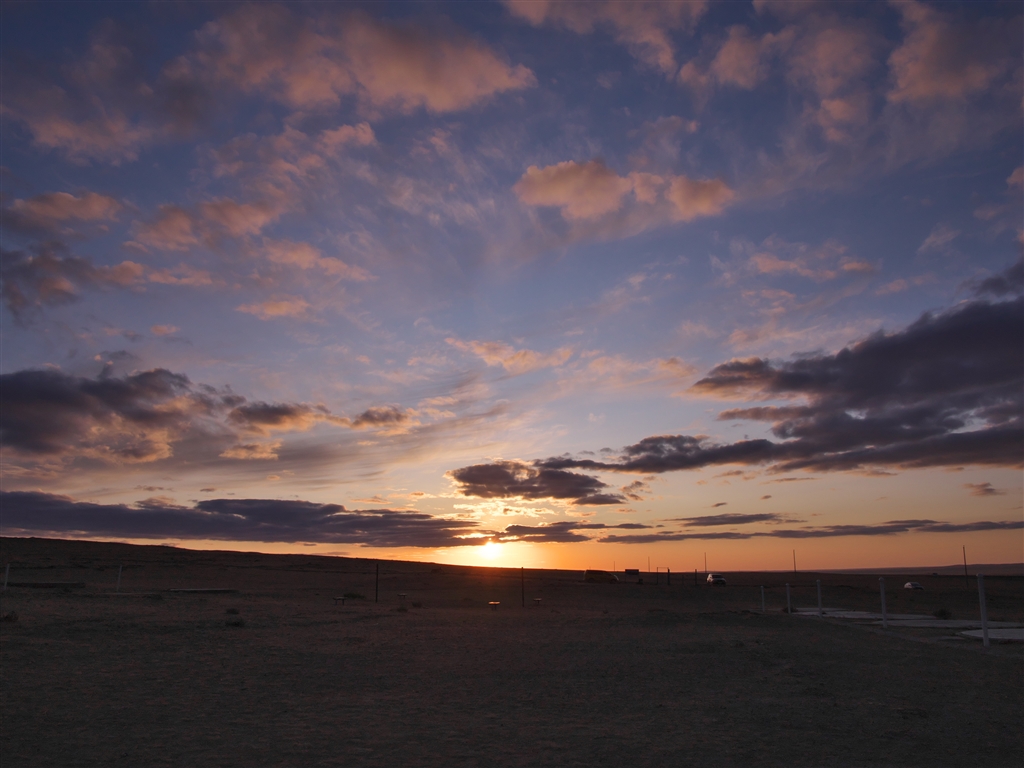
600,577
716,579
912,585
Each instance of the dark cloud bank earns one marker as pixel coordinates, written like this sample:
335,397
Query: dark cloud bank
273,520
946,391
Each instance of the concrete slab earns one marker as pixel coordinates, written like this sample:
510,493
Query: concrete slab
952,624
1000,635
838,613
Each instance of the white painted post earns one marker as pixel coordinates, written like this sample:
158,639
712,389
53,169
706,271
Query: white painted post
762,599
820,613
119,577
984,610
789,603
7,573
885,616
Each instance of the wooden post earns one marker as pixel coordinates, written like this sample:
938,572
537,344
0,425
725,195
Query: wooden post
522,583
119,569
7,573
967,581
668,579
376,584
984,610
794,562
885,616
789,603
762,599
695,577
820,614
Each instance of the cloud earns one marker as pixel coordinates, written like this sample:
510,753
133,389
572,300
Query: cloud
948,390
164,330
142,417
582,190
591,191
983,489
1010,282
50,213
515,361
282,306
730,518
518,480
940,237
305,256
313,62
943,57
47,275
890,528
643,27
262,520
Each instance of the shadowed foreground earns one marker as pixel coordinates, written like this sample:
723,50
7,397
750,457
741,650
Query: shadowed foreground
611,674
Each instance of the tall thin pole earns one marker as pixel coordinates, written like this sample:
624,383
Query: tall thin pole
7,573
789,603
376,584
762,599
119,568
648,566
966,580
705,562
885,616
984,610
820,614
794,561
522,583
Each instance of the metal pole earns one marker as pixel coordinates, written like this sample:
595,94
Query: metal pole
794,561
376,584
966,579
695,577
984,611
7,573
819,598
762,599
119,569
668,576
885,616
789,603
522,583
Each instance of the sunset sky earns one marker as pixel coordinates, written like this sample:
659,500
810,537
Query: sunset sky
573,284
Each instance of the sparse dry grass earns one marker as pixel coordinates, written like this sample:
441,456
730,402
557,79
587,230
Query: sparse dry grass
601,674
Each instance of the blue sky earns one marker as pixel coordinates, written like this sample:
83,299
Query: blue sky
525,283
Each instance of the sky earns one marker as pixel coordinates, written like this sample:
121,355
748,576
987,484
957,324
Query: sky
525,283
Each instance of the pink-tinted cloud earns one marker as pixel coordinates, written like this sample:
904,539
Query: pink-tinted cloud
943,57
515,361
643,27
286,306
591,191
305,256
52,208
314,62
582,190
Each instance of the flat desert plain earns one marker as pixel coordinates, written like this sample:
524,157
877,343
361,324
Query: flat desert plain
277,674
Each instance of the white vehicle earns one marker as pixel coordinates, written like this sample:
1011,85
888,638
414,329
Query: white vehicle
912,585
716,579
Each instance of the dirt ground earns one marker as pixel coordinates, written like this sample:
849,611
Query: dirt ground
276,674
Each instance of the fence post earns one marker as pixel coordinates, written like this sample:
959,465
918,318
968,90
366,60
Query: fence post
820,613
762,599
789,603
119,569
984,610
885,616
376,584
7,573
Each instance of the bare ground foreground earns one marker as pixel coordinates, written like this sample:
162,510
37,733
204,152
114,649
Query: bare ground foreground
276,674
